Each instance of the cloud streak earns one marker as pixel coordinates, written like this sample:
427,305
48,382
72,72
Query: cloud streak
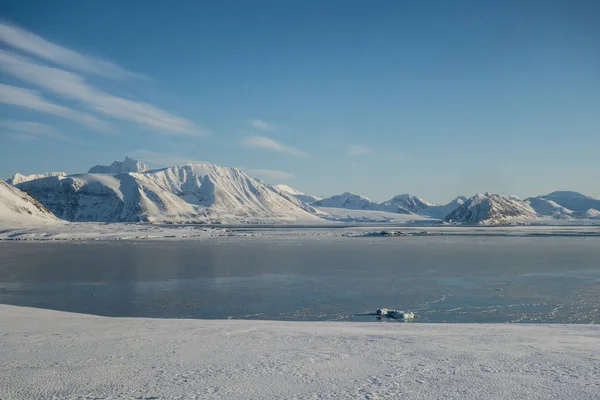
264,142
35,129
30,99
270,174
74,87
164,159
358,150
39,47
260,124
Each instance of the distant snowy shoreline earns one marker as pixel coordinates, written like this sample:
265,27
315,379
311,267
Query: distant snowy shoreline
50,354
128,231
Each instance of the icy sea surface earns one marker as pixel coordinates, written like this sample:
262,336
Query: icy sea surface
441,279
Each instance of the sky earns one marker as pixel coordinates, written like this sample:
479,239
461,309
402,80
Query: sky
435,98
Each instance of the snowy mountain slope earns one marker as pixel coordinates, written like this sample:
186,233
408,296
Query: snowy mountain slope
204,193
306,198
442,210
352,201
419,206
573,201
295,199
18,208
19,178
549,208
120,167
492,209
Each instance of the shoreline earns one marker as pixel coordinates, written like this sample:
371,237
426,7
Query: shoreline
129,231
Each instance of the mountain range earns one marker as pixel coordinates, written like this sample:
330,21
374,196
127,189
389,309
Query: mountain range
129,191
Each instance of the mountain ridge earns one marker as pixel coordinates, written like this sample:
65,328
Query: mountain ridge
208,193
196,193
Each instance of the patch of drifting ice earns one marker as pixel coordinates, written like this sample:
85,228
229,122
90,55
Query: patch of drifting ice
395,314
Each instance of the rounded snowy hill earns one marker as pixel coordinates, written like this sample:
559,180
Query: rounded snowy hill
203,193
549,208
573,201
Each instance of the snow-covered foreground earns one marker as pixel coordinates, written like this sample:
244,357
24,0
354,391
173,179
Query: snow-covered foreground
49,354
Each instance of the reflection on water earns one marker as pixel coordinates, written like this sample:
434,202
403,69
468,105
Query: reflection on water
443,279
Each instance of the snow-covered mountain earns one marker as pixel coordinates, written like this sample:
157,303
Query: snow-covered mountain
204,193
20,178
573,201
352,201
492,209
120,167
303,197
549,208
18,208
419,206
592,213
410,202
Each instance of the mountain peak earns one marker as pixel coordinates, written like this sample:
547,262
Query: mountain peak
20,178
120,167
492,209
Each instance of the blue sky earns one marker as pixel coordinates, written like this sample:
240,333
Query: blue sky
434,98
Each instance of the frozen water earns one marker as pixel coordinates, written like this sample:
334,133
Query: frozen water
441,279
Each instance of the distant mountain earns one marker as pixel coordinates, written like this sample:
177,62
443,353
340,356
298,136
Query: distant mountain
492,209
18,208
549,208
120,167
573,201
410,202
419,206
592,213
203,193
306,198
19,178
357,202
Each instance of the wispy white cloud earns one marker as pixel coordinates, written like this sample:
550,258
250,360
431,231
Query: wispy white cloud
270,144
35,129
164,159
260,124
37,46
73,86
270,174
32,100
357,150
21,137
